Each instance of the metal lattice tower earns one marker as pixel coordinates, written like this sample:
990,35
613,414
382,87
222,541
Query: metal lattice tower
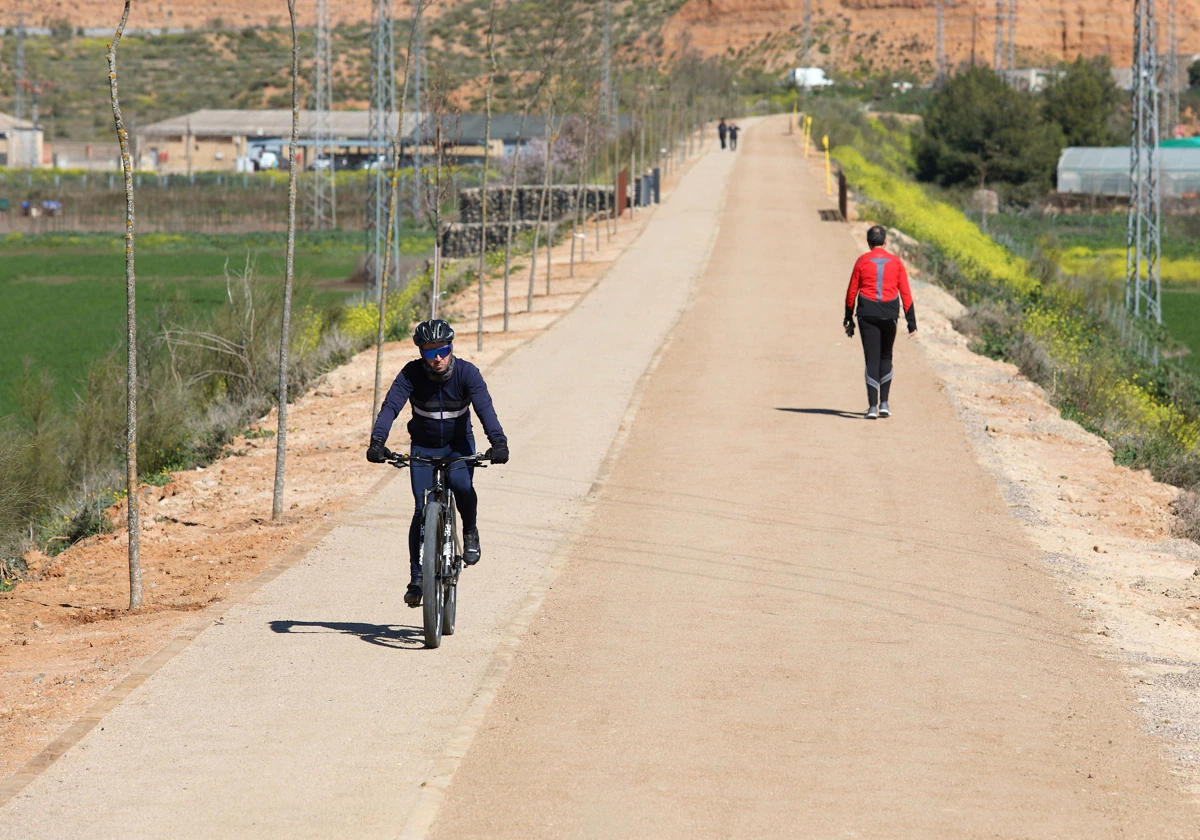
379,131
1143,277
19,104
323,190
1012,35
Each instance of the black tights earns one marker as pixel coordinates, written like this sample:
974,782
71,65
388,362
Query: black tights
878,336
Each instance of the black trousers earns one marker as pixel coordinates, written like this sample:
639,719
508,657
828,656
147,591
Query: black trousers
878,337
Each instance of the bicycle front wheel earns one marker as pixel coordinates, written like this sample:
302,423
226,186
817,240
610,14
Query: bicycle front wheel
431,574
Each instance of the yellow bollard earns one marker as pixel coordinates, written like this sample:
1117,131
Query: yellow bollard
828,170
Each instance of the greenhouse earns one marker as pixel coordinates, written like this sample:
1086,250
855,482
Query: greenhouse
1090,170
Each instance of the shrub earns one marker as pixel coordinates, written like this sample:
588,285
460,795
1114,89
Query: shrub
979,130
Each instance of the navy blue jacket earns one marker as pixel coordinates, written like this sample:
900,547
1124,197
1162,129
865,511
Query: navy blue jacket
441,410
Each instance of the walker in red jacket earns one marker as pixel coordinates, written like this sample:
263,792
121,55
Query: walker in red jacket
878,285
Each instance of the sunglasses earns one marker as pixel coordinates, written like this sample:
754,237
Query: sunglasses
437,352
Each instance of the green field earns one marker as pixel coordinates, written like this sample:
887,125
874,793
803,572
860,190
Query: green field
1104,236
62,298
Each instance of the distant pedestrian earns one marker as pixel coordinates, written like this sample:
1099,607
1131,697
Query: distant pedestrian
722,130
878,284
733,131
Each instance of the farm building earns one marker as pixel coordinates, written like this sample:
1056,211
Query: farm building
1088,170
20,143
238,141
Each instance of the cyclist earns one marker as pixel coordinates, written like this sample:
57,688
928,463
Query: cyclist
442,390
879,284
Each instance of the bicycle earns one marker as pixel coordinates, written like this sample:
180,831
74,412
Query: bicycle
440,546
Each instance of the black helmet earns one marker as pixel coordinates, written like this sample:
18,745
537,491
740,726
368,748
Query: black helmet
435,331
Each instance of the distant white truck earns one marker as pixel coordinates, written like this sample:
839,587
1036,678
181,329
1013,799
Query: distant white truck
808,78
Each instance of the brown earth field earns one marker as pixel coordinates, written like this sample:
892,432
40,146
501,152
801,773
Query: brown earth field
66,638
878,33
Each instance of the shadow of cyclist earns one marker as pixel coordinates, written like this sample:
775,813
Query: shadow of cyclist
384,635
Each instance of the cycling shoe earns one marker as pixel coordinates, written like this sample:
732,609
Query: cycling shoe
471,553
412,595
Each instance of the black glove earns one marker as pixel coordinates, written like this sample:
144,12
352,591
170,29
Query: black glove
500,452
848,326
910,318
377,453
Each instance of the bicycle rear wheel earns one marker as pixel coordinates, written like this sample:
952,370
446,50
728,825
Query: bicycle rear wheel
431,574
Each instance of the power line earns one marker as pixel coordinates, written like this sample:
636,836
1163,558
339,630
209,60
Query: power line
1143,278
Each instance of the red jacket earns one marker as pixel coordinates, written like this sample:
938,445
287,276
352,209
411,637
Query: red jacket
879,284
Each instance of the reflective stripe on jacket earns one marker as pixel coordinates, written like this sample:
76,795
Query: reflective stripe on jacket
441,410
879,283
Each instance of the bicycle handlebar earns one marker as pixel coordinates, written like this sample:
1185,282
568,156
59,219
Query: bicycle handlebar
399,460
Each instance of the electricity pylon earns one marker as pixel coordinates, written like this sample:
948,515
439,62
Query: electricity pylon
1143,276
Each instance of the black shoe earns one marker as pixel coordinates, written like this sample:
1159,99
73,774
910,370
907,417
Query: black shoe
412,595
471,547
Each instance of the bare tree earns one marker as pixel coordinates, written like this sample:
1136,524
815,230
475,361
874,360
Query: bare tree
288,276
487,148
131,368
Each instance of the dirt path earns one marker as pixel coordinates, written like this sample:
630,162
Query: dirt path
783,620
310,709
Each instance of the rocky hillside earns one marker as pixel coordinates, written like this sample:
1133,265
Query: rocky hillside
896,34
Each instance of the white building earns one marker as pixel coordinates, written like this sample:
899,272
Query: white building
21,145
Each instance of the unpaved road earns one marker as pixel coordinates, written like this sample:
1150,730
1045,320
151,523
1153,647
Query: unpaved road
765,616
787,621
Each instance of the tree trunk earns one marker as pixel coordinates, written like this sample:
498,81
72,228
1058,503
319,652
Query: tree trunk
131,473
288,275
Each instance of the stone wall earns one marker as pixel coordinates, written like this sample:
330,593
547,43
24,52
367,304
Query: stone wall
462,239
561,200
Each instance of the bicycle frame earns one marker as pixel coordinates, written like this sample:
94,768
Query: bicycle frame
440,573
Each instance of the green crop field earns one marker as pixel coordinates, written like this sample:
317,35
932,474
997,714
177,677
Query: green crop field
1097,243
62,298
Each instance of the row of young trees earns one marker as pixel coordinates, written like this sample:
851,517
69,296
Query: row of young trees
550,53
